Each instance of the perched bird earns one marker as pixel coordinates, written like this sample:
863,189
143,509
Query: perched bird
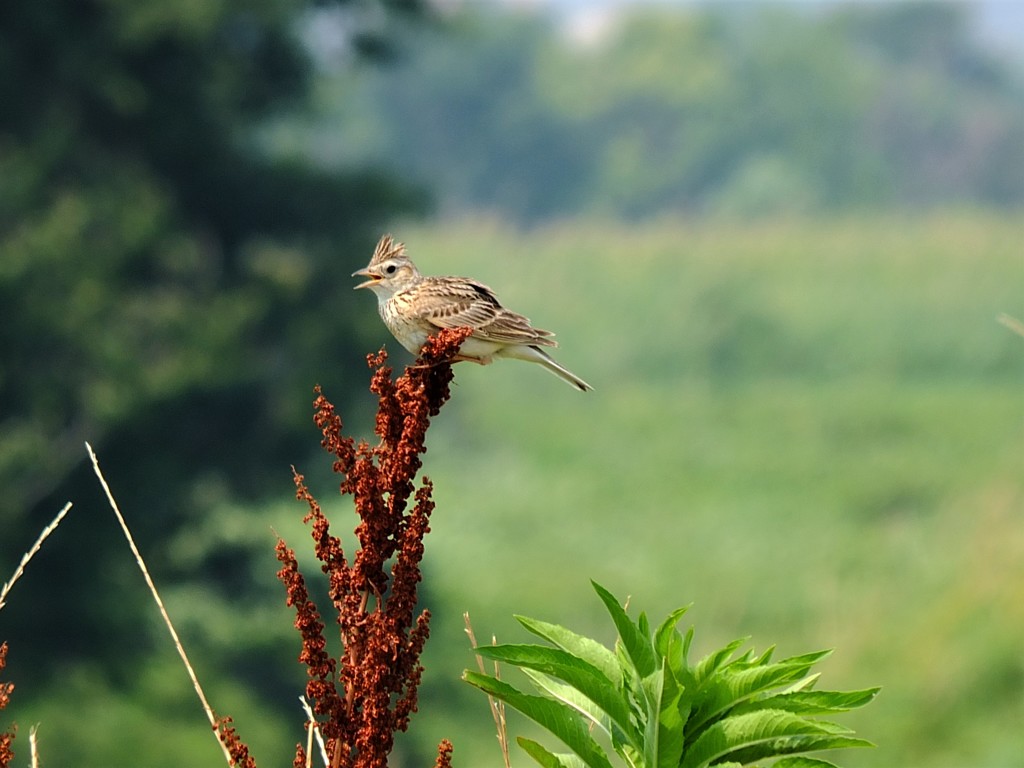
413,306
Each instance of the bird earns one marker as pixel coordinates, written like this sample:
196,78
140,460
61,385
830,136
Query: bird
413,306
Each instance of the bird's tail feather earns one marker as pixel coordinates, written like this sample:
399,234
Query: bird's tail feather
534,354
563,373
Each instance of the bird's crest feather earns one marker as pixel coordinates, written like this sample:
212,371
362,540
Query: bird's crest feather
387,248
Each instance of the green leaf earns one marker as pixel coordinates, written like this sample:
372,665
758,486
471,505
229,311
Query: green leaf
667,640
794,744
765,657
651,688
556,689
548,759
637,644
806,684
670,722
727,688
582,647
713,661
765,733
622,729
811,702
578,673
809,659
643,624
687,642
560,719
802,761
674,657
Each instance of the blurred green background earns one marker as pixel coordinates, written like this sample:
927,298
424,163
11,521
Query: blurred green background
775,238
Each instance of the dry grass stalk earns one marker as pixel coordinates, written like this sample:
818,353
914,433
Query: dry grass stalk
310,727
314,729
216,723
497,707
31,553
1012,323
7,737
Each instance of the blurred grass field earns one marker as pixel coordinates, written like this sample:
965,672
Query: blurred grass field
813,430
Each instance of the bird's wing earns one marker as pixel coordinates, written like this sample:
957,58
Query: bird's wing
457,302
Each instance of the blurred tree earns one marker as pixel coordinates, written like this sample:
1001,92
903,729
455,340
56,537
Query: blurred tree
648,103
735,109
461,111
946,116
169,290
472,94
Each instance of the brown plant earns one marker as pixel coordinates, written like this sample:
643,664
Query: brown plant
6,737
367,693
444,754
237,749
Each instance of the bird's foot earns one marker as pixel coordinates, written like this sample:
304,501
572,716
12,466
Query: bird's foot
455,359
478,360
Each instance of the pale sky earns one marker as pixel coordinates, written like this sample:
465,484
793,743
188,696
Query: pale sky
1000,22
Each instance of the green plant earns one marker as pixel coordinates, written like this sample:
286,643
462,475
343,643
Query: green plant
659,710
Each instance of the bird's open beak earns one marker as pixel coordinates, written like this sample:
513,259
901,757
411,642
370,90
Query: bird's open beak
374,278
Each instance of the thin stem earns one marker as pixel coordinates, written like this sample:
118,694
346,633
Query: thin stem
1012,323
314,730
33,745
31,553
160,604
497,707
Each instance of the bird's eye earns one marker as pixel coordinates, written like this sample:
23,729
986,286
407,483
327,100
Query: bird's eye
390,269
